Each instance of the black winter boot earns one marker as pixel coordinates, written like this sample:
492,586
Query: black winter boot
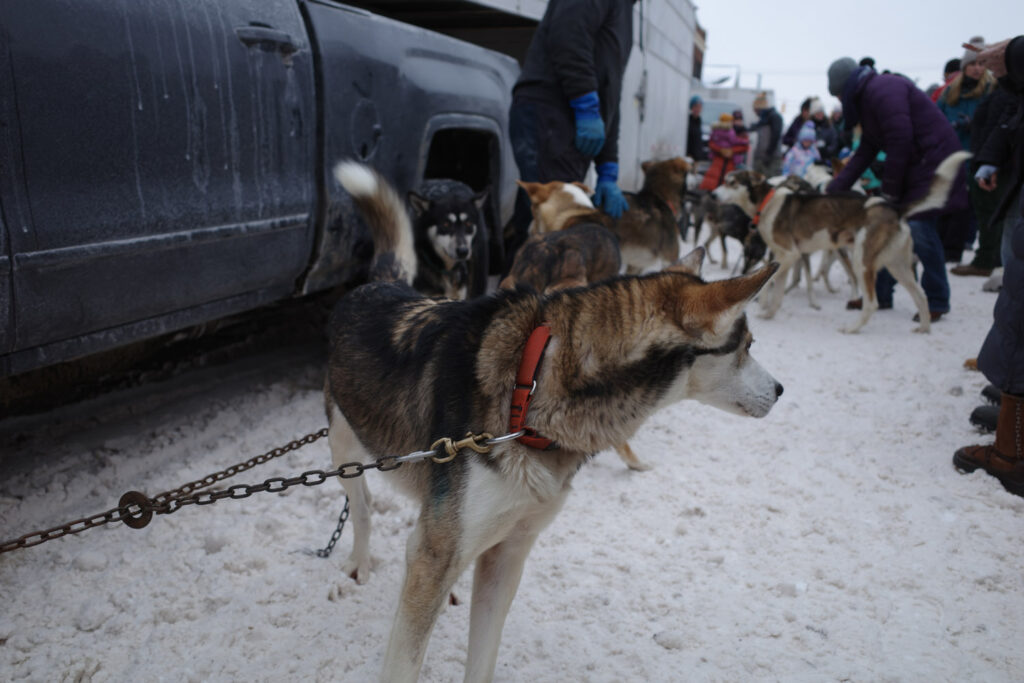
985,418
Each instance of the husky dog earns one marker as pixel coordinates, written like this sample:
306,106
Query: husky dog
794,223
648,232
723,220
448,220
581,252
569,245
405,370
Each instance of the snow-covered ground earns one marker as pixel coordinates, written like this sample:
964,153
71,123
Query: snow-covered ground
832,540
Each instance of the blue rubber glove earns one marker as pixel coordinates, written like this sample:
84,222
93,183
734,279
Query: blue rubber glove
589,125
608,196
985,171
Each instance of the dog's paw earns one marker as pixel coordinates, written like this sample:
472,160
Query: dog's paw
639,466
923,329
357,568
815,306
852,329
766,315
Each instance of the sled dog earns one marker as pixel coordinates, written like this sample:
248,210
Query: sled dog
405,371
796,223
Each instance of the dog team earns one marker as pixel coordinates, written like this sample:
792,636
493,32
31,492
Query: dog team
598,321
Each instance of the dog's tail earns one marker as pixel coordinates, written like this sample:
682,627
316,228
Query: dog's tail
394,255
942,183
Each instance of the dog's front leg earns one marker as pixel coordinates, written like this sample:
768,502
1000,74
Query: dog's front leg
771,301
345,447
431,571
806,261
495,582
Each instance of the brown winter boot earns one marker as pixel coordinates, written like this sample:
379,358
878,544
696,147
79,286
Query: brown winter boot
1004,459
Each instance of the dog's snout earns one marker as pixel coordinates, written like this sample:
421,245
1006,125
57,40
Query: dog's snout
462,251
778,390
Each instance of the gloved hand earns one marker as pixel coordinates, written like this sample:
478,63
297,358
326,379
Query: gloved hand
608,196
985,176
589,125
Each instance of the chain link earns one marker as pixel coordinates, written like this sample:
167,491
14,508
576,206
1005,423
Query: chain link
136,509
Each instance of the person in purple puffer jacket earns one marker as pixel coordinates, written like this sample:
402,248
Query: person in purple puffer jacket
899,119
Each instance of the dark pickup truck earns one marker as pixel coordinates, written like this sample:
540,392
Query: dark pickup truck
164,163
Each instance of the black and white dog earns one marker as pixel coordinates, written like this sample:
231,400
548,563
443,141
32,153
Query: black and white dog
448,222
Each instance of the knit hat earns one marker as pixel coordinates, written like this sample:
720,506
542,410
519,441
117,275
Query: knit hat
737,115
695,100
838,73
807,132
971,55
726,119
817,106
761,101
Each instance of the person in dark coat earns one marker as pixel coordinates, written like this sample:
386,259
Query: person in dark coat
565,105
789,137
694,138
997,107
766,156
899,119
1002,354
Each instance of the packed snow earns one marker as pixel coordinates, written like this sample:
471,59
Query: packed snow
831,540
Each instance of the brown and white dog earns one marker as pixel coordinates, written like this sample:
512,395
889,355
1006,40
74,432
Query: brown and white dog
793,224
649,231
405,370
579,251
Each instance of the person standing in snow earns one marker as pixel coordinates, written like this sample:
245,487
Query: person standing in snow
1002,354
565,105
768,128
897,117
803,154
694,136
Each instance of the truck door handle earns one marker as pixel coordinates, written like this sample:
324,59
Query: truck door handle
268,39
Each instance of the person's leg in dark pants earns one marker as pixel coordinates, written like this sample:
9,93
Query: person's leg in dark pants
929,251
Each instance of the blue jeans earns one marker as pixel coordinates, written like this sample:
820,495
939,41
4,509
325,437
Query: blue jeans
928,249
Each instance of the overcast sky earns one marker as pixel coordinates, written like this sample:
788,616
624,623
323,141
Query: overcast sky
790,44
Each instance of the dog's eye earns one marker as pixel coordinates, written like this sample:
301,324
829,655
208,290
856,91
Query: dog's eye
470,228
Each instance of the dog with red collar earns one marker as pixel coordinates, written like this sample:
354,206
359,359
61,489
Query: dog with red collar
404,371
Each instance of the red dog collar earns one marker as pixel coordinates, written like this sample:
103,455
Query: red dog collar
526,383
760,207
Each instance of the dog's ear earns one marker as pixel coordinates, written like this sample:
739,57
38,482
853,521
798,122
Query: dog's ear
583,187
681,164
419,204
480,198
532,189
646,165
690,264
726,299
756,178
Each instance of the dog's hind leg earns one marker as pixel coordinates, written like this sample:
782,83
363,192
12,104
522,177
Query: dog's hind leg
629,457
345,447
432,566
495,582
902,269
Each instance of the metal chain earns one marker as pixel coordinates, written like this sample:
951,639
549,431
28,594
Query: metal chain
136,509
326,551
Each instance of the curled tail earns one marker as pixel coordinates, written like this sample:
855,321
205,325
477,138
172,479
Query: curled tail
394,255
942,182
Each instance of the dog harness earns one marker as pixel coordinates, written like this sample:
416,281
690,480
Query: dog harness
526,384
760,207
